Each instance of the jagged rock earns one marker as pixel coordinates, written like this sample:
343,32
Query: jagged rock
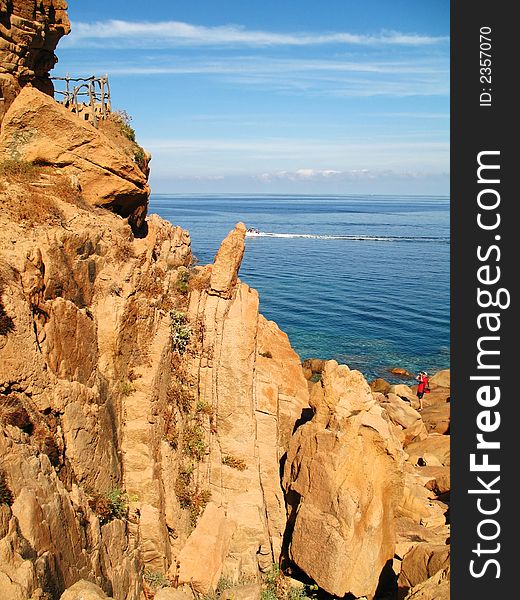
330,460
435,445
436,587
436,417
408,422
252,378
422,562
84,590
224,272
403,391
38,129
419,503
439,481
29,33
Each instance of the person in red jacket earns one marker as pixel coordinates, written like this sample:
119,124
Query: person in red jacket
422,387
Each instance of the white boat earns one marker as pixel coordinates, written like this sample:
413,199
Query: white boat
252,232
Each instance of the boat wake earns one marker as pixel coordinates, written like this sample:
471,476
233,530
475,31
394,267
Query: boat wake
356,238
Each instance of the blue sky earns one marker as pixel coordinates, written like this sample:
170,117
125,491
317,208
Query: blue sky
255,96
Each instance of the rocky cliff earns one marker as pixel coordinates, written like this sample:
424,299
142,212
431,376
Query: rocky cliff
159,437
29,33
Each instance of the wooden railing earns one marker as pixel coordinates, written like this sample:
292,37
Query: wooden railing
87,97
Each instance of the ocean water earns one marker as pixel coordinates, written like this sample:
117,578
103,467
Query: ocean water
361,279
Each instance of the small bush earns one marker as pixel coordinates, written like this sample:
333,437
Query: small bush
122,119
266,354
203,408
180,331
198,503
126,388
156,580
189,495
234,462
181,283
111,505
140,158
194,445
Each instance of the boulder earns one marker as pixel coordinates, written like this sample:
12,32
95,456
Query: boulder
400,372
434,445
37,129
408,422
403,391
421,562
169,593
380,385
437,587
440,379
436,417
84,590
330,461
439,480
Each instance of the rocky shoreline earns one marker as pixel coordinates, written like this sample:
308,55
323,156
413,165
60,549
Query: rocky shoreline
159,437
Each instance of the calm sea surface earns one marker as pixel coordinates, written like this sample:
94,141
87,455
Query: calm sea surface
361,279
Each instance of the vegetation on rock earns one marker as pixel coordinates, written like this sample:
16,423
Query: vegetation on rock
110,505
180,331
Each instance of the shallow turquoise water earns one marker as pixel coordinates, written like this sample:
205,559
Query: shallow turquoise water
369,288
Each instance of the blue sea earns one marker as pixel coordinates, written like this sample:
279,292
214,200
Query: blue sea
360,279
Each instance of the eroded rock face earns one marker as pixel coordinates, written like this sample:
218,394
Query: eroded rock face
343,479
227,262
29,33
39,130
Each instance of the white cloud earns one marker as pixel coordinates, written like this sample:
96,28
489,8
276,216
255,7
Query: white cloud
175,33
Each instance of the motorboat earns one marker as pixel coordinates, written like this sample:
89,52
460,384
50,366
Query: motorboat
252,232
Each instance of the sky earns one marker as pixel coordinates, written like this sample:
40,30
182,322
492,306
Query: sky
264,96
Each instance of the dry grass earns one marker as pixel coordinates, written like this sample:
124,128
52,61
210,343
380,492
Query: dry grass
118,129
6,496
234,462
32,206
13,170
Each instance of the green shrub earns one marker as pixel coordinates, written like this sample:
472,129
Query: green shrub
181,283
194,444
126,388
140,158
180,331
156,580
111,505
122,119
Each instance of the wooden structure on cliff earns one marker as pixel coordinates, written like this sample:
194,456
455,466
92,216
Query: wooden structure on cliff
87,97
